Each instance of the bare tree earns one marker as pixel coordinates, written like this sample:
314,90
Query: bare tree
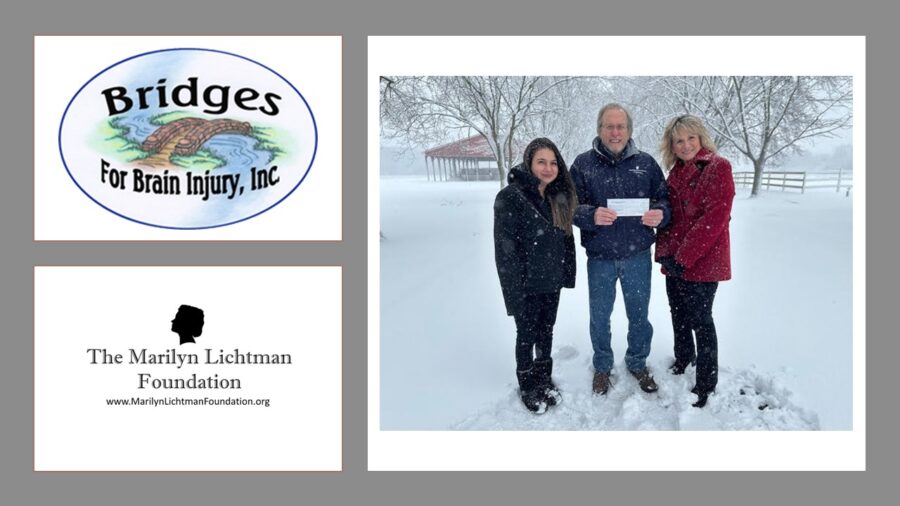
429,109
762,118
568,115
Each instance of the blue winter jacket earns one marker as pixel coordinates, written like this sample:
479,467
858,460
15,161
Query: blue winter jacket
599,176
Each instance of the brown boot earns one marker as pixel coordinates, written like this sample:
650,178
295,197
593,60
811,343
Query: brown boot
601,383
645,380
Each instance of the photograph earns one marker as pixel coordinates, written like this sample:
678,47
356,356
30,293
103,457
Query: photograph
619,252
495,249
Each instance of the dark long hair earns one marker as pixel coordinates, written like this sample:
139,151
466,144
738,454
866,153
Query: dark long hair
560,191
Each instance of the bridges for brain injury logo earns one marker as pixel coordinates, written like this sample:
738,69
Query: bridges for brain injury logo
188,138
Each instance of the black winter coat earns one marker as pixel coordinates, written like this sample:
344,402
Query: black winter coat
533,256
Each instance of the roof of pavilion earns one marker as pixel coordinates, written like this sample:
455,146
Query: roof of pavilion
474,147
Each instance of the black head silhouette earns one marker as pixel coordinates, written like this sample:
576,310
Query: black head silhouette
188,323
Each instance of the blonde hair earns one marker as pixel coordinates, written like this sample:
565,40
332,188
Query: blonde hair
689,123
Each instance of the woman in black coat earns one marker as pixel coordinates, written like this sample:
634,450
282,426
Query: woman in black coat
535,253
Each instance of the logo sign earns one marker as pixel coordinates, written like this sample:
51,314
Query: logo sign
188,323
188,138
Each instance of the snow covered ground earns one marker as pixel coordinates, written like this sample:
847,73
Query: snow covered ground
446,344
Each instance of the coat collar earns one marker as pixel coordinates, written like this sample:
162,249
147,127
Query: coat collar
704,155
524,179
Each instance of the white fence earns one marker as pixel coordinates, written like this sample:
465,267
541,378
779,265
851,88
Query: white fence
798,181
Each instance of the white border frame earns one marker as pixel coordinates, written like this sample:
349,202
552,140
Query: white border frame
622,451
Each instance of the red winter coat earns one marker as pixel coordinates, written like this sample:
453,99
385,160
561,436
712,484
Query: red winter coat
701,192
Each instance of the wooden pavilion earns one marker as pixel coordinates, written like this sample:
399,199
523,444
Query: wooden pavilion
464,160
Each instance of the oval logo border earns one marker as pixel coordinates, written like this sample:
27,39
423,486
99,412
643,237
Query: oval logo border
98,74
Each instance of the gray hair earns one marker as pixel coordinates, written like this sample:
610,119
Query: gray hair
614,106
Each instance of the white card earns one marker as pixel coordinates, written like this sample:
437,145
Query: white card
629,207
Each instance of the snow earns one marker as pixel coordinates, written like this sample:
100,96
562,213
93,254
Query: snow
446,344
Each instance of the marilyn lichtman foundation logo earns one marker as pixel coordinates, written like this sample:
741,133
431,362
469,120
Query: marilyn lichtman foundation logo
188,323
188,138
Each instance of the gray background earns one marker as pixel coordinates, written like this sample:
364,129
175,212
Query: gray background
19,485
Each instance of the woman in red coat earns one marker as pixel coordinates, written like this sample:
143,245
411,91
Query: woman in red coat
694,249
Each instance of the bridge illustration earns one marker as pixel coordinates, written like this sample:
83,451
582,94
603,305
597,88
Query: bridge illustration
184,137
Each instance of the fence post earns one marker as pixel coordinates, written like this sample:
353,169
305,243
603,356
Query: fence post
803,184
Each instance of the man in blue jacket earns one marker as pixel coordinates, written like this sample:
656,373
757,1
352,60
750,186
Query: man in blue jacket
618,247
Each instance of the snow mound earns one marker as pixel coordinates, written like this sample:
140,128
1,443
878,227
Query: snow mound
744,400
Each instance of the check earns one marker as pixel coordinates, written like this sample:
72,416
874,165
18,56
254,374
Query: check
629,207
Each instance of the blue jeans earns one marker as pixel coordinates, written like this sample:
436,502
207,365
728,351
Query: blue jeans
634,275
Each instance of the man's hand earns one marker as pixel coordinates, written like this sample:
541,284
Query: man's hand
605,216
652,218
